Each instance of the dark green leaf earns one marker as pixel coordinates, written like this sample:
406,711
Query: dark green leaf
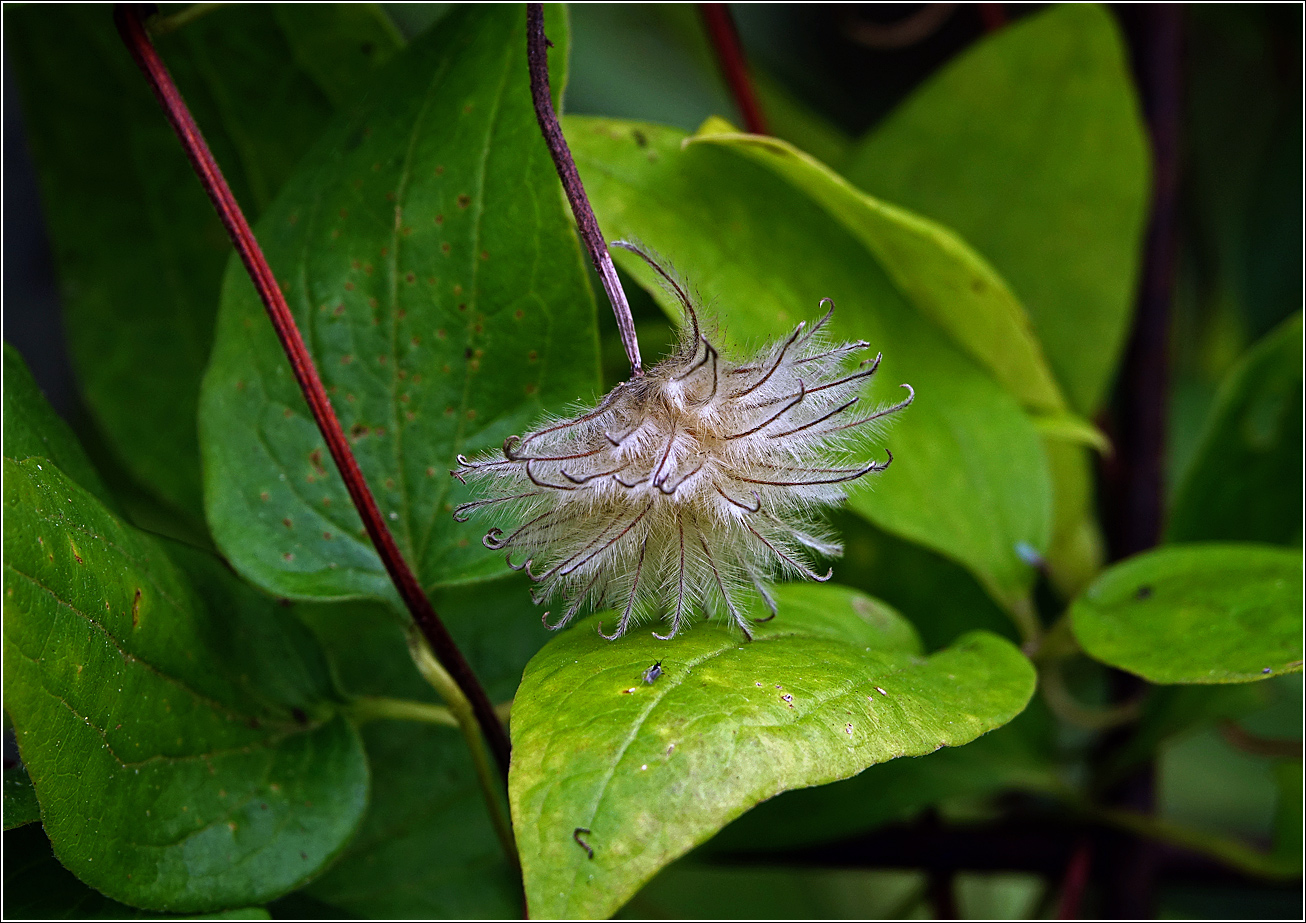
1197,614
650,770
137,245
1245,482
33,430
426,256
182,736
426,848
20,804
1031,146
969,477
934,269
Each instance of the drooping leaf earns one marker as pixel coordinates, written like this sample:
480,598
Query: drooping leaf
936,270
969,477
641,772
426,849
180,730
424,251
1031,146
20,804
33,429
138,248
1245,481
1197,614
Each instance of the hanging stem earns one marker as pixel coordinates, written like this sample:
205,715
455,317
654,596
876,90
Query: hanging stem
537,59
730,56
129,18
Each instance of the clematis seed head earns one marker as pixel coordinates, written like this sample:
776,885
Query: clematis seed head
684,491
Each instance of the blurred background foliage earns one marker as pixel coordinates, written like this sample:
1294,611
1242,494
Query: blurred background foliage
827,75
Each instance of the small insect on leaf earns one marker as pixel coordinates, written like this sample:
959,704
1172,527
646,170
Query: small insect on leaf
652,673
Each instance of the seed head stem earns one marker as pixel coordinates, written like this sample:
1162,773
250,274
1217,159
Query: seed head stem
129,19
537,59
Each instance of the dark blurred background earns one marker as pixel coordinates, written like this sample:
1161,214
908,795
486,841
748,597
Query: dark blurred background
836,70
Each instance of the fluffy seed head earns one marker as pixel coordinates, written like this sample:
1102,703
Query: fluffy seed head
687,488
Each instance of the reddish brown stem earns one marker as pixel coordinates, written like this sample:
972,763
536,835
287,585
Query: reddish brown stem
130,21
730,55
537,60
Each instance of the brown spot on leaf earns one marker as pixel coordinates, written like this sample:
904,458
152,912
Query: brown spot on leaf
464,200
136,610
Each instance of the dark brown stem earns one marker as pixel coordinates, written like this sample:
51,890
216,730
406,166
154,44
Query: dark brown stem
129,18
730,56
537,59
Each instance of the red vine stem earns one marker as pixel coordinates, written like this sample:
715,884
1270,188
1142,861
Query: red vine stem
730,55
537,60
129,19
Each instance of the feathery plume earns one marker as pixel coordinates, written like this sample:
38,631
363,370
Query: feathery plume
686,489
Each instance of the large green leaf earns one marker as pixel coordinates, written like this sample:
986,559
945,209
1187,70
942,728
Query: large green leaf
424,251
179,729
969,477
641,772
935,269
33,429
1032,147
426,849
137,245
1245,482
1197,614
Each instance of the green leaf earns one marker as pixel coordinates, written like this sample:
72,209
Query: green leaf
1031,146
642,772
1197,614
1005,759
179,729
969,477
33,429
138,248
20,804
424,251
426,849
1247,473
936,270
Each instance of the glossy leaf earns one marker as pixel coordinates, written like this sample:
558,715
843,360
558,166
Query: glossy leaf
33,429
179,729
641,772
1245,481
969,477
138,248
1031,146
935,270
424,251
426,849
1197,614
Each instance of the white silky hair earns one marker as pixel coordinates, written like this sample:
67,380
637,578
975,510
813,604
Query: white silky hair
685,490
